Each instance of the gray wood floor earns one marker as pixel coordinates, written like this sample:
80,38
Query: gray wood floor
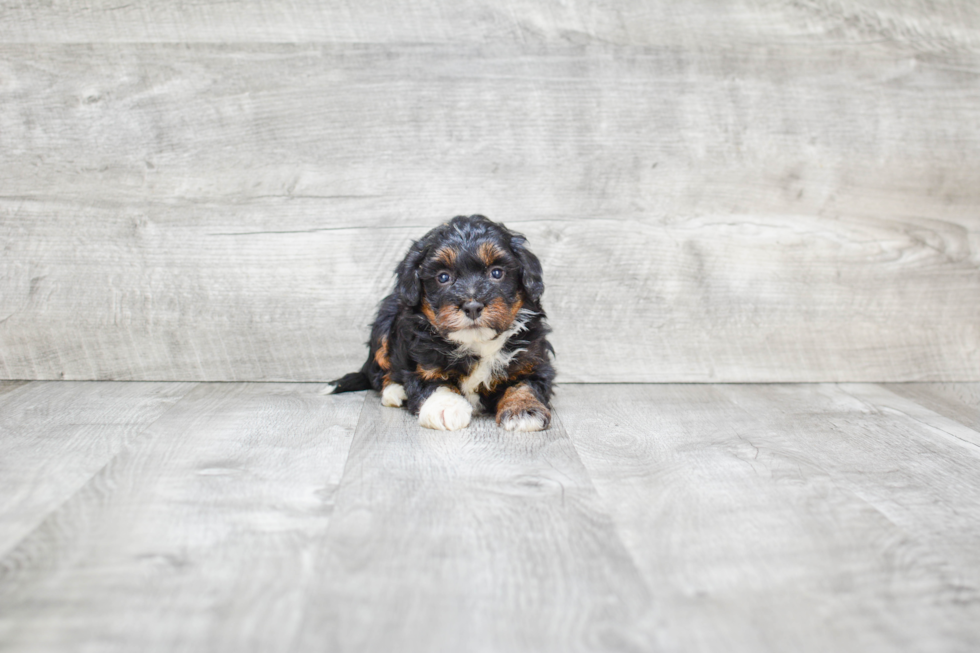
268,517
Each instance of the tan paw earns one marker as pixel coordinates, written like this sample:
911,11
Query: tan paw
536,419
521,410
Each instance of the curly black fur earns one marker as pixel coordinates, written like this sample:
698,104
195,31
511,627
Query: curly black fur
468,289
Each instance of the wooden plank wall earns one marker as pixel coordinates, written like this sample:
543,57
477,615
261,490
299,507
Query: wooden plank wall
744,191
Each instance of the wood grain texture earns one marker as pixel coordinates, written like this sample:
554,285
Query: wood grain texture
938,423
267,517
11,386
806,518
199,537
473,540
923,24
957,401
714,211
54,437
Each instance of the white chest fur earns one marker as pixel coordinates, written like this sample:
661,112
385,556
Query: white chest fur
492,361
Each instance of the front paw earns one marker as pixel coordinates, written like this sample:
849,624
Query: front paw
520,410
445,410
393,395
536,419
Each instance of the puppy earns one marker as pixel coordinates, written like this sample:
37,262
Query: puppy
463,332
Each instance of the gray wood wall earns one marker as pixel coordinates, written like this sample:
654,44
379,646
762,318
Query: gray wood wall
720,191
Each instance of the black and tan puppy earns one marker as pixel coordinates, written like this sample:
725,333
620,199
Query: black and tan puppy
463,331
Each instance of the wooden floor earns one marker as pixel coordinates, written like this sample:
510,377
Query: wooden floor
269,517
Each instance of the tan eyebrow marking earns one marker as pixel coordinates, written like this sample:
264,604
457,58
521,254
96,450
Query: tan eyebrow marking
489,252
447,256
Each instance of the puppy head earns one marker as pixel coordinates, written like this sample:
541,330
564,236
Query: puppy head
470,275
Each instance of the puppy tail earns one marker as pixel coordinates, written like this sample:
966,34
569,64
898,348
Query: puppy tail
350,383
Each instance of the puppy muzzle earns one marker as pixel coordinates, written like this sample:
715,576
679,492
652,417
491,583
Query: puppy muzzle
472,309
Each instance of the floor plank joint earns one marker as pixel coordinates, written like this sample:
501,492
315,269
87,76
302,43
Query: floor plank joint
252,516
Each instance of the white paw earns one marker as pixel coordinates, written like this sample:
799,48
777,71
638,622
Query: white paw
393,395
445,410
328,389
524,422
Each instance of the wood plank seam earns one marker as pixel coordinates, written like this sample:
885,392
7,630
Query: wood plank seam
946,428
556,415
136,439
485,486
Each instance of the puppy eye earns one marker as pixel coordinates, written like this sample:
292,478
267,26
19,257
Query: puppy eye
443,277
497,273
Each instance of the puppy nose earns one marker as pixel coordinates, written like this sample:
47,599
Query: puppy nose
472,309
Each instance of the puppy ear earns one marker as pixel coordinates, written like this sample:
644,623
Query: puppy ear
531,271
408,285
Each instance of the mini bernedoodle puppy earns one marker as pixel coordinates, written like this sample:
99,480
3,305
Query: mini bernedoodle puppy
463,331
